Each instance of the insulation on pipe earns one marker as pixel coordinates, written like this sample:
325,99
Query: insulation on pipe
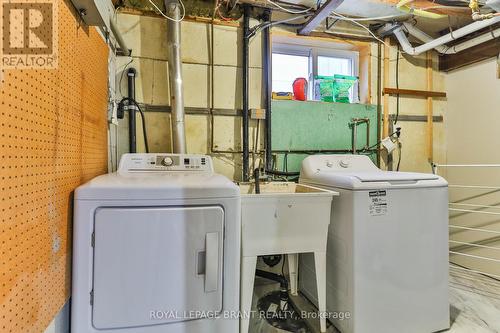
403,5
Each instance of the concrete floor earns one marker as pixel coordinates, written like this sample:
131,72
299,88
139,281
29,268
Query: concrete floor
474,304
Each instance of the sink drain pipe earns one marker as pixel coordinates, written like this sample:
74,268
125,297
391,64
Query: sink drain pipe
284,298
267,88
266,69
132,136
245,63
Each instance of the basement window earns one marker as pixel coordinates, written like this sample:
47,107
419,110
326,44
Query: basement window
290,61
286,68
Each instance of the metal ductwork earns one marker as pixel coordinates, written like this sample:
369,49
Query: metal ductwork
173,10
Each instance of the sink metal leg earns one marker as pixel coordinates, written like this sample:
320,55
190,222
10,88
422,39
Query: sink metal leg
320,268
248,266
293,263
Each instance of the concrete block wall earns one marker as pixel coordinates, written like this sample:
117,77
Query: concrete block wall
145,35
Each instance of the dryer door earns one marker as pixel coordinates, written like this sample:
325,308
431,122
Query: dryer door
156,265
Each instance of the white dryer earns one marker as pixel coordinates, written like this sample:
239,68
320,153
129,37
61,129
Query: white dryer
156,248
387,256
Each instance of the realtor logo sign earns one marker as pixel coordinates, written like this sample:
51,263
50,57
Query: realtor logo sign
29,34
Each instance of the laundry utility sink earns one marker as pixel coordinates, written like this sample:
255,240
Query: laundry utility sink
284,218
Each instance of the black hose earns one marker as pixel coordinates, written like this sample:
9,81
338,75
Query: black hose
282,173
144,131
134,102
131,74
256,176
272,261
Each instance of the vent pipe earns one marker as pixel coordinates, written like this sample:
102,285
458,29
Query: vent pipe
173,9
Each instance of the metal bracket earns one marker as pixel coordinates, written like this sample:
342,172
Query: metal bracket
319,16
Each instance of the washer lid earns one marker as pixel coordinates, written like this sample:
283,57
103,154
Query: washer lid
358,172
373,180
392,176
157,186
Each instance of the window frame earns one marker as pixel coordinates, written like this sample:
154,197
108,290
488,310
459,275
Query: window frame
313,52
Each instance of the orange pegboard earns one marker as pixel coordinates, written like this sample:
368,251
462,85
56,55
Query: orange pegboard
53,137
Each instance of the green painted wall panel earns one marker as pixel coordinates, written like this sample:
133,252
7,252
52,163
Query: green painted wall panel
317,126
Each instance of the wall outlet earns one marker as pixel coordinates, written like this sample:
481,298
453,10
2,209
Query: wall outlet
258,113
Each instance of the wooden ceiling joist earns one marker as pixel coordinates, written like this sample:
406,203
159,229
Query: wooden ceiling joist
470,56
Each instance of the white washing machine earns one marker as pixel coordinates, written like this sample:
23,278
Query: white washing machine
387,256
156,248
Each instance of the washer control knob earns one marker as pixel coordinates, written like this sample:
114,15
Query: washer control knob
168,161
329,164
344,163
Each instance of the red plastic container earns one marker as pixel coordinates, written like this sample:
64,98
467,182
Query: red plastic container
300,89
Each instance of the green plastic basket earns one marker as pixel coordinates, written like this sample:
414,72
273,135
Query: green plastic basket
333,88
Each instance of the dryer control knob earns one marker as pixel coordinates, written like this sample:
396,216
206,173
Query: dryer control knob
344,163
168,161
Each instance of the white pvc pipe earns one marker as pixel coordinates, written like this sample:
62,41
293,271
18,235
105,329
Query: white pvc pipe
443,49
435,43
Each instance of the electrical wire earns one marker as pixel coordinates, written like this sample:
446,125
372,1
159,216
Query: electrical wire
355,21
143,122
168,17
360,25
265,25
379,142
144,131
399,157
361,19
288,10
217,11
